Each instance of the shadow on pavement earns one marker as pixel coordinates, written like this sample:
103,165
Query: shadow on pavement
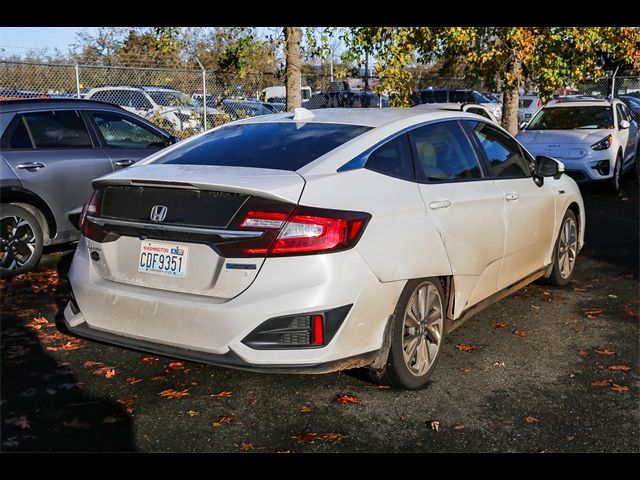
613,234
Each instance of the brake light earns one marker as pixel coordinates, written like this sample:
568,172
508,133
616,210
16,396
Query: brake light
290,230
92,209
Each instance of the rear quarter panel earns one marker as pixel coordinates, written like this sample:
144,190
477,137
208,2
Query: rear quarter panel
400,242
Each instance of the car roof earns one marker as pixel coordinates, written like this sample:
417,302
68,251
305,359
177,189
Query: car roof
581,103
370,117
40,103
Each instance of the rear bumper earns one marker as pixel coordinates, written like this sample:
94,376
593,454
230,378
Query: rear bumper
229,359
211,330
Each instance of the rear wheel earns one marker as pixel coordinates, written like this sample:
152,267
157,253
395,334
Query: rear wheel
417,334
20,241
564,255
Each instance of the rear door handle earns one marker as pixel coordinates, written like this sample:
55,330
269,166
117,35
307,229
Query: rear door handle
125,163
440,204
31,166
512,196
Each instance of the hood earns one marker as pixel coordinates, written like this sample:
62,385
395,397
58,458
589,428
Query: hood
560,137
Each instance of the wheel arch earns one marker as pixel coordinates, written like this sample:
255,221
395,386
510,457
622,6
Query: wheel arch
575,208
34,204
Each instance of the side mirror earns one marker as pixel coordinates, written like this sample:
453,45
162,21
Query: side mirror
624,124
548,167
523,125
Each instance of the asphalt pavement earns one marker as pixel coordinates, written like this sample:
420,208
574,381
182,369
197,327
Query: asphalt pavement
545,370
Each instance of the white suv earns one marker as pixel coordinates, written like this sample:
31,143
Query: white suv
174,107
595,139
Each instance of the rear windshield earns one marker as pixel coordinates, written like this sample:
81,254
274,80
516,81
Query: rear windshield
279,146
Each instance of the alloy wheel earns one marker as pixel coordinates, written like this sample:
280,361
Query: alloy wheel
422,328
568,247
17,242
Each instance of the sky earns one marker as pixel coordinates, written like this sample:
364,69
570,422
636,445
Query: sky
21,39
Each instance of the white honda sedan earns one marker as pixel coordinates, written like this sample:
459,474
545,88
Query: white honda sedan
321,241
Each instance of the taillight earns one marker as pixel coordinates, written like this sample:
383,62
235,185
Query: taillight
290,230
92,209
539,103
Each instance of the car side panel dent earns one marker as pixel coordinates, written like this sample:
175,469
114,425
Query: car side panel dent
399,222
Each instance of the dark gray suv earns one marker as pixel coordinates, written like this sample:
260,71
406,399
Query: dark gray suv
50,151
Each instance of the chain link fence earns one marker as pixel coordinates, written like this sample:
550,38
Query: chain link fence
183,101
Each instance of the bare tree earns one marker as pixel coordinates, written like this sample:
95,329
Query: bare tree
293,36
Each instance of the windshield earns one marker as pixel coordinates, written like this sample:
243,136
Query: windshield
569,118
170,99
280,146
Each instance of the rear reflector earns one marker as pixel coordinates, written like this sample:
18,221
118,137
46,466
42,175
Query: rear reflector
312,330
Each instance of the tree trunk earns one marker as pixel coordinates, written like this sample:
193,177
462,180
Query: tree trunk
293,36
511,96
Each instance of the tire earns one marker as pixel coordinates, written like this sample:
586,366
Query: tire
565,251
410,364
616,180
20,241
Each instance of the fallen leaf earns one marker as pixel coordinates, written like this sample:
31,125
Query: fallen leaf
569,438
150,359
583,353
578,289
223,394
498,364
332,437
605,351
347,399
22,422
612,296
107,372
463,347
309,437
128,404
245,447
535,307
521,333
592,313
222,420
90,363
383,387
601,383
578,329
619,388
530,419
133,380
175,366
619,368
459,427
546,292
497,324
159,377
172,393
435,425
76,423
283,451
306,408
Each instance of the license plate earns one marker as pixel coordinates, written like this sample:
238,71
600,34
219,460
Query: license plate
163,259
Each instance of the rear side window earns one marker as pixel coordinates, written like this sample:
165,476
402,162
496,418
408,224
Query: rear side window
503,153
120,131
57,129
393,159
444,154
279,146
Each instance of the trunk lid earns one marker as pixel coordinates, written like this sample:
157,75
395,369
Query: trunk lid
182,214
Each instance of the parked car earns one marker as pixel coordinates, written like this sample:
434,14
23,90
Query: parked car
50,151
345,99
175,108
278,94
237,109
455,95
596,139
320,241
529,105
477,108
633,105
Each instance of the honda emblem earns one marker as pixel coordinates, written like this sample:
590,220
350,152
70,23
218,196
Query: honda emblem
158,213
